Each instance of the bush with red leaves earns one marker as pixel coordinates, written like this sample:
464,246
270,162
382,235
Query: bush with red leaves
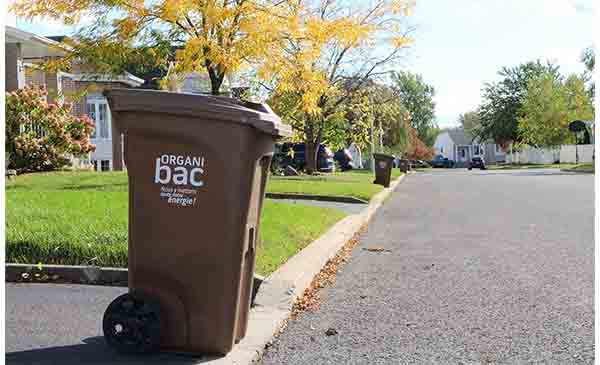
417,149
40,135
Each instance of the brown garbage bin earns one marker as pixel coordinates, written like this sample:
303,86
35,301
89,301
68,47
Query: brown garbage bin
405,165
197,168
383,169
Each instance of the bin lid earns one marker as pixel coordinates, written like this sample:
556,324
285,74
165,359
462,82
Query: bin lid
383,156
257,115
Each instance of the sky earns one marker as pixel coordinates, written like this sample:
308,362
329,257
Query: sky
461,44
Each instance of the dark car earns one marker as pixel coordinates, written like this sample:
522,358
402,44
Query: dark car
284,157
441,161
344,158
419,164
477,163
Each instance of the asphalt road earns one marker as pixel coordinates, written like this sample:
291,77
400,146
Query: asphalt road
482,267
62,324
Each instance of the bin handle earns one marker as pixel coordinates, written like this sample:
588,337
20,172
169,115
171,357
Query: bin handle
251,240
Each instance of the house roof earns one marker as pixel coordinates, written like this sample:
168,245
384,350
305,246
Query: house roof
32,45
125,78
460,137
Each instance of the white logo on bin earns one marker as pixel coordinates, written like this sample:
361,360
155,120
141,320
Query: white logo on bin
180,177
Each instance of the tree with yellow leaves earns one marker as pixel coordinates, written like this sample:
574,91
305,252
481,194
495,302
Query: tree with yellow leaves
333,48
213,36
312,54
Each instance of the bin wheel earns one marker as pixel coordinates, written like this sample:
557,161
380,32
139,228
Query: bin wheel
131,323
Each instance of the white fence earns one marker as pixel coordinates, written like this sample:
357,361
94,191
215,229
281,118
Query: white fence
562,154
581,153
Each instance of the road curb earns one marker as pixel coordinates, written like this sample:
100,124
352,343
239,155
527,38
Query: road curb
578,171
71,274
93,275
280,290
325,198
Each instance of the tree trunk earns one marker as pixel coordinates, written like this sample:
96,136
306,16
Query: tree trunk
311,147
311,157
216,78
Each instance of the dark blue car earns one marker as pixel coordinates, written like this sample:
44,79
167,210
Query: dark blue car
441,161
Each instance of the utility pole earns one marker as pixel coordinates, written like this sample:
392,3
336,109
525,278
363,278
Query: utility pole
372,146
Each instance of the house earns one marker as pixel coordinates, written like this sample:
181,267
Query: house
460,146
25,52
83,87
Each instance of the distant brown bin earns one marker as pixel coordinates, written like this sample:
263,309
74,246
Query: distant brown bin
383,169
405,165
197,167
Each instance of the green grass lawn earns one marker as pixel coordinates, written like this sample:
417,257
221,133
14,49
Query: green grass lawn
585,167
358,184
80,218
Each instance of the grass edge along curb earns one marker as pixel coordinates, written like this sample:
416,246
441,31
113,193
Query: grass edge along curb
579,171
325,198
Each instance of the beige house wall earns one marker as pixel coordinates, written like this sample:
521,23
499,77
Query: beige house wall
12,59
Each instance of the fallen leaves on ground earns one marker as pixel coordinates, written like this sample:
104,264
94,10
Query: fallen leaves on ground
310,299
376,249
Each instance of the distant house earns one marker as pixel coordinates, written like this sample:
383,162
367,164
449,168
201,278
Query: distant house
461,146
25,52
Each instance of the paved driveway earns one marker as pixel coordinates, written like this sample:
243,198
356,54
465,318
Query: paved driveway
483,266
49,324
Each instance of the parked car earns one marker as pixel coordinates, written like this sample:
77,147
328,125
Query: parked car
477,163
344,159
297,159
419,163
441,161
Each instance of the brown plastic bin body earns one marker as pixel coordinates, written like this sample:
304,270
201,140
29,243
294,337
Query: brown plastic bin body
405,165
383,169
197,168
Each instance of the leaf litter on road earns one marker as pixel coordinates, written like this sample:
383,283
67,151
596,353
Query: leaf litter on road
376,249
310,299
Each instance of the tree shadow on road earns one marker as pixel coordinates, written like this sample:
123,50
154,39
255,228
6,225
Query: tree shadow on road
94,350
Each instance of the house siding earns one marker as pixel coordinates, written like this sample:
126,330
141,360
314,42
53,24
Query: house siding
443,141
78,91
13,75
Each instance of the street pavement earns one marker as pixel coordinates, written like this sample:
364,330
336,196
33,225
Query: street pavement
479,267
62,324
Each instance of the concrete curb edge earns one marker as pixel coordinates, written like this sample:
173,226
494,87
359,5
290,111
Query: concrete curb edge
71,274
326,198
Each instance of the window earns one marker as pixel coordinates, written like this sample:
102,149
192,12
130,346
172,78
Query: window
105,165
94,164
498,149
91,112
102,117
442,149
476,149
97,110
